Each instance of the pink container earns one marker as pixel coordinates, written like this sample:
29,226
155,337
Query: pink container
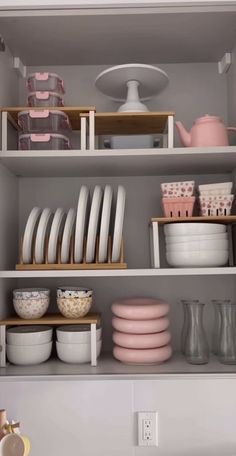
140,309
45,99
177,189
141,341
216,205
50,82
140,326
139,357
178,207
41,121
45,141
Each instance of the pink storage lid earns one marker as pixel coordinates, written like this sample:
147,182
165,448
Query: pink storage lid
43,137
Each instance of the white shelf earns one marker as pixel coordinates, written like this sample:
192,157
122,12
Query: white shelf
120,162
109,368
168,272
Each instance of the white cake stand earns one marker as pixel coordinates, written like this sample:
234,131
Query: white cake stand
131,83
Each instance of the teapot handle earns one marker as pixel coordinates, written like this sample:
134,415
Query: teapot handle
231,128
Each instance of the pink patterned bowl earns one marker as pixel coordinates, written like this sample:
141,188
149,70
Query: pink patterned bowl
140,309
141,340
140,326
151,356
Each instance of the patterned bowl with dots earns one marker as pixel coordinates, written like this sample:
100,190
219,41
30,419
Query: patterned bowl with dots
74,302
31,303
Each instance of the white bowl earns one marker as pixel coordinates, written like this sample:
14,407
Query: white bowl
76,334
222,244
195,237
198,259
176,229
76,353
29,335
28,355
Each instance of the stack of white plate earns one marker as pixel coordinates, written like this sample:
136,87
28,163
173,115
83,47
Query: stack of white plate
74,343
28,345
196,244
90,221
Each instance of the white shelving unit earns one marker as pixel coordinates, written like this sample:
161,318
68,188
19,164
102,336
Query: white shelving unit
28,177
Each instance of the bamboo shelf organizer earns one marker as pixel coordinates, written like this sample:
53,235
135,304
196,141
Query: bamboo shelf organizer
72,265
156,222
92,319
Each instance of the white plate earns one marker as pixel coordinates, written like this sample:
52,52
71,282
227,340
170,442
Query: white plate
93,224
66,237
80,223
28,235
55,231
40,236
118,227
105,224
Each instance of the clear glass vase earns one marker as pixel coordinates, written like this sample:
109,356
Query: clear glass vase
196,346
217,321
227,339
184,331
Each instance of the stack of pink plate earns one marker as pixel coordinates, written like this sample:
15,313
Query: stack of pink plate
141,333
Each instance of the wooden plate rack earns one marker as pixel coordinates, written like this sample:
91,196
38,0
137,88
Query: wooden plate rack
72,265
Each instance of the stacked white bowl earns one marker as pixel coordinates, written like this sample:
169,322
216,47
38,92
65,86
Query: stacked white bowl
216,199
74,343
29,345
196,244
141,333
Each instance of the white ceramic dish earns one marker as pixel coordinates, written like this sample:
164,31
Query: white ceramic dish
93,224
66,237
56,229
76,353
118,227
43,227
29,335
80,227
76,334
30,308
204,258
223,188
176,229
222,244
29,233
28,355
196,237
105,224
74,302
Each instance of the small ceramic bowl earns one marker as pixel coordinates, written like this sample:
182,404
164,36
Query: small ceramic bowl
76,334
177,189
140,308
74,302
31,303
28,355
29,335
76,353
149,356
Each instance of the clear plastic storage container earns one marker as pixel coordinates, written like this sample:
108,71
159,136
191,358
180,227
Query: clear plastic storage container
45,141
45,99
41,121
45,81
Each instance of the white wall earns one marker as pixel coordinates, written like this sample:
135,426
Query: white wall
196,417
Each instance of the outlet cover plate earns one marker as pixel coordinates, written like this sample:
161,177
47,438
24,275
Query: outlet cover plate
147,429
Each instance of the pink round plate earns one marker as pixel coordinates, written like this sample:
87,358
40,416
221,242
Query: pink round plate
140,326
151,356
140,308
141,340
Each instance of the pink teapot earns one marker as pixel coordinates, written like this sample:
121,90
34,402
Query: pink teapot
207,131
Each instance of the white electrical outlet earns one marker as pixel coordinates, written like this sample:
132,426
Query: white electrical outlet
147,429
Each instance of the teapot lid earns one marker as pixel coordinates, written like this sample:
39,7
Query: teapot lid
208,118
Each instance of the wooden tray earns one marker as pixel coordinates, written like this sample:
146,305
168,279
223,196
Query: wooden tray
225,219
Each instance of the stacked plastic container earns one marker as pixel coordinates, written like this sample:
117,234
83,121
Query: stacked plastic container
178,199
45,128
141,333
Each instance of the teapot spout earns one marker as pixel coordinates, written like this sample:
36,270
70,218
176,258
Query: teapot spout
185,136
